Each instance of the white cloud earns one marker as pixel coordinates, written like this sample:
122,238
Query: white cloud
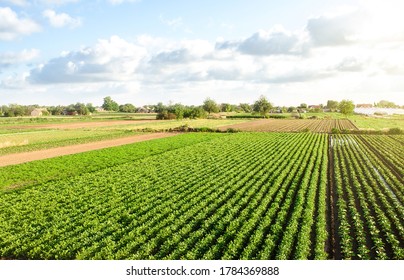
61,20
276,41
11,58
15,2
117,2
11,26
109,60
58,2
335,30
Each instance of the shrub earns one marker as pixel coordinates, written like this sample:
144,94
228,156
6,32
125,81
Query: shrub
232,130
395,130
335,131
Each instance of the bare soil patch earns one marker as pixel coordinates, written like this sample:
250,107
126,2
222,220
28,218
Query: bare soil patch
277,125
75,149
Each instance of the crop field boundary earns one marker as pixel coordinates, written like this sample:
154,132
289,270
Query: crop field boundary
13,159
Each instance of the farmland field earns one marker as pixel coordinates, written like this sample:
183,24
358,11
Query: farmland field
286,125
212,196
31,136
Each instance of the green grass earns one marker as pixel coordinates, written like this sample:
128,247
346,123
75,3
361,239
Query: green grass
378,123
5,122
45,139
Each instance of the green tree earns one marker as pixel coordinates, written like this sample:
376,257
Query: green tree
332,105
262,106
210,106
90,107
127,108
245,107
226,107
110,105
81,109
346,107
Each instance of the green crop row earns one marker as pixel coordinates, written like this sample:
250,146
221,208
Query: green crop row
218,198
31,173
370,208
208,196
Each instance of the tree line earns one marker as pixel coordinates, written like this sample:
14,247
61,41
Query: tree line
262,107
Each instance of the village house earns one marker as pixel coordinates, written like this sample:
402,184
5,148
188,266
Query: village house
37,112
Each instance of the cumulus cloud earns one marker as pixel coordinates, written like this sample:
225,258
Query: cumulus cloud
11,58
58,2
109,60
11,26
334,30
61,20
15,2
276,41
351,64
117,2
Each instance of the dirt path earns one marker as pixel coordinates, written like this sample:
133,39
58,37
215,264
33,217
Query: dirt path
76,125
74,149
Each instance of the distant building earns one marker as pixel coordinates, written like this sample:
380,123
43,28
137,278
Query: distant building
364,106
143,110
37,112
314,107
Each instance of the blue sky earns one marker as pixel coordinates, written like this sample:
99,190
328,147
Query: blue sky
146,51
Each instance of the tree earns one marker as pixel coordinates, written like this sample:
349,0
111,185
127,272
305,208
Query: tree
332,105
246,107
346,107
210,106
81,109
179,110
226,107
110,105
386,104
262,106
303,106
127,108
90,107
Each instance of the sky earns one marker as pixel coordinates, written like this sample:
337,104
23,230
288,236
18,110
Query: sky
58,52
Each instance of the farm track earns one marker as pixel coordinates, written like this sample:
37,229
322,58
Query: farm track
19,158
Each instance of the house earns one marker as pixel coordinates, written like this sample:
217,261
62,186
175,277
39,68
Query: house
37,112
142,110
364,106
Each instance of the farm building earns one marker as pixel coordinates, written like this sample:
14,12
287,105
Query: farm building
364,106
37,112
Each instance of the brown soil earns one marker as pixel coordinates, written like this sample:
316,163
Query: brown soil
287,125
74,149
76,125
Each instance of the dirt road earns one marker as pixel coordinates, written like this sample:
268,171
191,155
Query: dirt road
74,149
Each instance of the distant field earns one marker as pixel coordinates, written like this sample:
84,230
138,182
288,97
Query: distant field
382,123
166,124
23,137
286,125
44,139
